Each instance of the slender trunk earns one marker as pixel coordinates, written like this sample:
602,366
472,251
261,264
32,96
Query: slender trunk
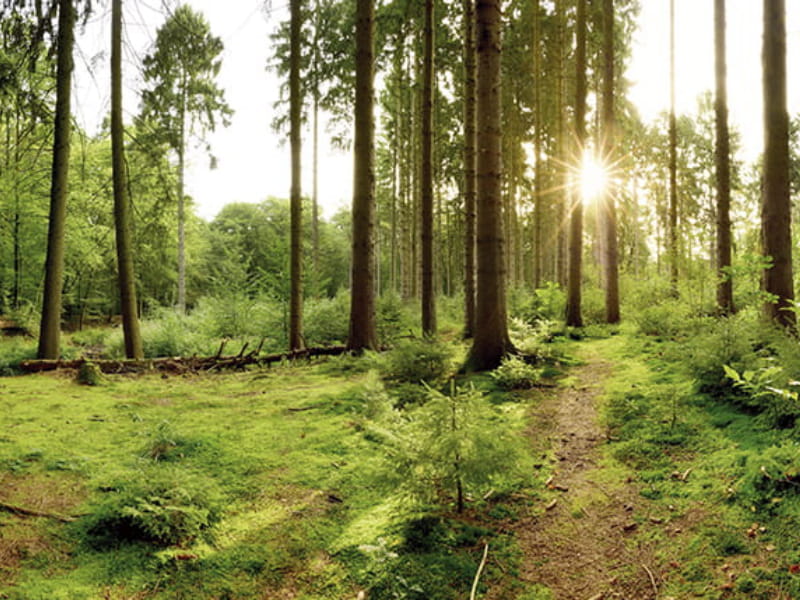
673,159
491,341
611,261
724,282
574,317
315,176
537,147
363,331
50,327
296,233
561,234
181,204
426,177
122,218
776,205
469,168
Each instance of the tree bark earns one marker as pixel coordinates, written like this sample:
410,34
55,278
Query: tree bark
296,227
491,342
469,167
673,159
363,331
776,206
538,207
50,327
122,218
723,169
574,316
611,262
182,204
426,177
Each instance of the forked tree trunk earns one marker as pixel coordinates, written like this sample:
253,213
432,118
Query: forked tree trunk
491,341
122,219
50,326
363,332
296,233
574,316
723,169
426,176
776,206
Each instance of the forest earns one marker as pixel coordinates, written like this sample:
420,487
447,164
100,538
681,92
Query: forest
549,351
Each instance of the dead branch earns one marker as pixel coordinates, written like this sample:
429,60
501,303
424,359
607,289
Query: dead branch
27,512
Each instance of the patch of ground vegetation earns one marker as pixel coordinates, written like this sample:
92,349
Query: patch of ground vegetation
381,474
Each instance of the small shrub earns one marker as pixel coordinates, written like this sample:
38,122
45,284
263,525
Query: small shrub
163,507
455,445
515,374
771,475
12,352
418,360
327,320
89,374
665,319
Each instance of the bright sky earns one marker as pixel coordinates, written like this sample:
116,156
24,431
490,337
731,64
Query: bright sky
254,165
694,61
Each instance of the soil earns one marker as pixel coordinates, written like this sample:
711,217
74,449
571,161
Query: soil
583,545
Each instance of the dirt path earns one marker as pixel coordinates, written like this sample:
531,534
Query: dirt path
582,546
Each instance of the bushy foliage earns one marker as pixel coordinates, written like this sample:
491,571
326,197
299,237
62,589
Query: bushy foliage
771,475
544,304
666,319
161,506
516,374
731,342
418,360
327,320
13,351
536,341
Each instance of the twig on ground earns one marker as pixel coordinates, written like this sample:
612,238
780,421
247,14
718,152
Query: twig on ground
27,512
474,591
652,579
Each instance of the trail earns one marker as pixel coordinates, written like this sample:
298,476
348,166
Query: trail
583,547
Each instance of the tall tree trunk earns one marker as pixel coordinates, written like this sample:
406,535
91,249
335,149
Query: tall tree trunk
469,167
296,233
122,218
363,330
673,159
776,206
426,177
723,169
50,327
561,240
182,204
538,206
491,341
315,166
611,262
574,316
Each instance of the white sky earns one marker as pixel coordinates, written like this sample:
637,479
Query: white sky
253,165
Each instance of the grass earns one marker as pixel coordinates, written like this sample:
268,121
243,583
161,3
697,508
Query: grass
269,478
697,462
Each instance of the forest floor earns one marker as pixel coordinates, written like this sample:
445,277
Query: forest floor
580,547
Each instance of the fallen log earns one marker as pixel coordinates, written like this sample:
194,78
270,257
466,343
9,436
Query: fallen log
177,364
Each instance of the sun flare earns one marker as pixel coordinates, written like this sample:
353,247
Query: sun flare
592,177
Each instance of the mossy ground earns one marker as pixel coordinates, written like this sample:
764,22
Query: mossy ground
307,514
